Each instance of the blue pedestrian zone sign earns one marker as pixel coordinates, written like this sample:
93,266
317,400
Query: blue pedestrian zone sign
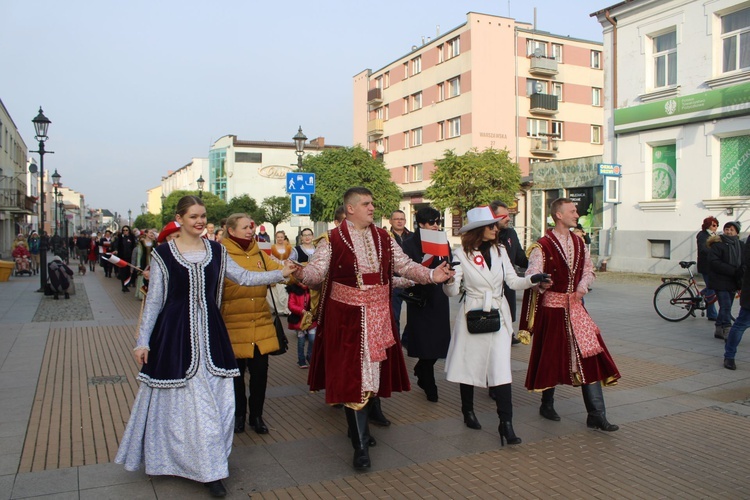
300,183
300,204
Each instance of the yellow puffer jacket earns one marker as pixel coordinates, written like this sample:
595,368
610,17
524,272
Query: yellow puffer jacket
245,309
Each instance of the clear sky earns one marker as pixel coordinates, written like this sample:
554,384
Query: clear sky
136,88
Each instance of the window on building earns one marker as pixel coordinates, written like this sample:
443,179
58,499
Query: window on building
416,65
379,113
386,79
454,127
379,146
386,144
536,127
379,82
735,40
441,55
416,137
596,134
665,59
441,131
416,172
1,134
557,129
454,47
596,59
734,166
406,70
406,139
386,112
664,172
536,48
535,86
406,175
557,50
557,89
406,105
416,101
454,87
441,92
596,96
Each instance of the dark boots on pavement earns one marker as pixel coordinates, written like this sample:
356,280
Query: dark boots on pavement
547,410
504,404
594,401
375,412
360,436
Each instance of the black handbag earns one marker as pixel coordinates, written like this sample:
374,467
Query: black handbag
479,321
280,333
411,297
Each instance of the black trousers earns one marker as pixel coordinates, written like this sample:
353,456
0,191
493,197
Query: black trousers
503,400
257,367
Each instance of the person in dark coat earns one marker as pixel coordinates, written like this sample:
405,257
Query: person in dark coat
725,273
708,229
743,318
123,248
428,326
57,277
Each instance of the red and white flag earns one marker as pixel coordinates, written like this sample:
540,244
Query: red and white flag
114,259
434,242
265,246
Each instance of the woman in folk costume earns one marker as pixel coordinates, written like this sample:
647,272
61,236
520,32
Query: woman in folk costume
483,359
183,416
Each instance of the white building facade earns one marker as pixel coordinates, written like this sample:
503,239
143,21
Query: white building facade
677,121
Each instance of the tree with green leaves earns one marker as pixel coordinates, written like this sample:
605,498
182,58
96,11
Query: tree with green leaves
472,179
337,170
147,221
275,210
244,204
215,206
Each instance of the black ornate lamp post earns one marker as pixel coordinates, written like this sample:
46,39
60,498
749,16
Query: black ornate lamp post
55,184
200,183
129,214
163,199
299,143
143,209
41,123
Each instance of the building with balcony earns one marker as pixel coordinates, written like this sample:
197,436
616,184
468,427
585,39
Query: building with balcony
16,204
492,82
677,111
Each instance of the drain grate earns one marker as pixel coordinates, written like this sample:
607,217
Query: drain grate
109,379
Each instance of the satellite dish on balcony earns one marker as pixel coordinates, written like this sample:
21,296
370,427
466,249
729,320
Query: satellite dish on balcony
538,87
380,149
538,52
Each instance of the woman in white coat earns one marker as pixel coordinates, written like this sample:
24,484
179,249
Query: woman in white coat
483,360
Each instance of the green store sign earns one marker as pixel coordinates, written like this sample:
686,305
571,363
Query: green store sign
719,103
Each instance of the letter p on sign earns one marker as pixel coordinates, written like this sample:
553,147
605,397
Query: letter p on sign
300,204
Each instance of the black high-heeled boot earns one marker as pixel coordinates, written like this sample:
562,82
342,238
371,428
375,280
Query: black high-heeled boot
467,406
507,434
594,401
359,432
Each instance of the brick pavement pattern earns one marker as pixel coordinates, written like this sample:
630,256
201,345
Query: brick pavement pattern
68,381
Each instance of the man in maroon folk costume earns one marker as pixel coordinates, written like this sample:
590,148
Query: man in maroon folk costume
567,346
357,354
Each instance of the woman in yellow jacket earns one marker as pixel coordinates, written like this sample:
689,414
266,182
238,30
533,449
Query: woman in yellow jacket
248,319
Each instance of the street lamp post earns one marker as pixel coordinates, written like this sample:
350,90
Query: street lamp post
299,144
129,214
41,123
200,183
161,215
143,209
55,184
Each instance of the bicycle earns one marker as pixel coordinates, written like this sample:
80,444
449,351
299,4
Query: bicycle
677,298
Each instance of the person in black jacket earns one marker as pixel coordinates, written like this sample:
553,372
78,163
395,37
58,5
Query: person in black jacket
743,318
725,273
123,248
516,254
708,228
428,326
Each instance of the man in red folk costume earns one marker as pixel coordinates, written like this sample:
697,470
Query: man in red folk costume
567,346
357,354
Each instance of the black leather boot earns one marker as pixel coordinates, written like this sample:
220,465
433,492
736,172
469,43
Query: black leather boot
594,401
467,406
547,410
258,425
359,432
506,433
504,405
239,424
375,412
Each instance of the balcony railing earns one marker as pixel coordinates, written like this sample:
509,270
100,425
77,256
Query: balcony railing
544,144
542,65
375,96
543,104
15,201
375,127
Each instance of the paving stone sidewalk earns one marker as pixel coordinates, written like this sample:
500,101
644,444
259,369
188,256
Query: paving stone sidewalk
67,383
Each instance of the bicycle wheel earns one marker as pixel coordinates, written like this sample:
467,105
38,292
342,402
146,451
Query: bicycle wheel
674,301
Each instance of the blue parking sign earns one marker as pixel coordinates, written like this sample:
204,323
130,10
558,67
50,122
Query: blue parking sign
300,204
300,183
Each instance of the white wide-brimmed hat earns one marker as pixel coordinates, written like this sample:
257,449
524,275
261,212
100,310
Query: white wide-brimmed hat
478,217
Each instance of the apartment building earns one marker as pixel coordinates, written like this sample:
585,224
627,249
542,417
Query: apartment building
16,202
492,82
677,108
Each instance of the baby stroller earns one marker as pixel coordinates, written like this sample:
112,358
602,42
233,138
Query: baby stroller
58,278
22,258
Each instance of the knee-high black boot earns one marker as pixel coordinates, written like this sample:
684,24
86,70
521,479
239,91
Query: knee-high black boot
425,372
504,404
467,406
594,401
375,412
547,410
360,435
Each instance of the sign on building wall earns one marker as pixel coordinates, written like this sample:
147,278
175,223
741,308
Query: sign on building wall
735,166
664,172
584,202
